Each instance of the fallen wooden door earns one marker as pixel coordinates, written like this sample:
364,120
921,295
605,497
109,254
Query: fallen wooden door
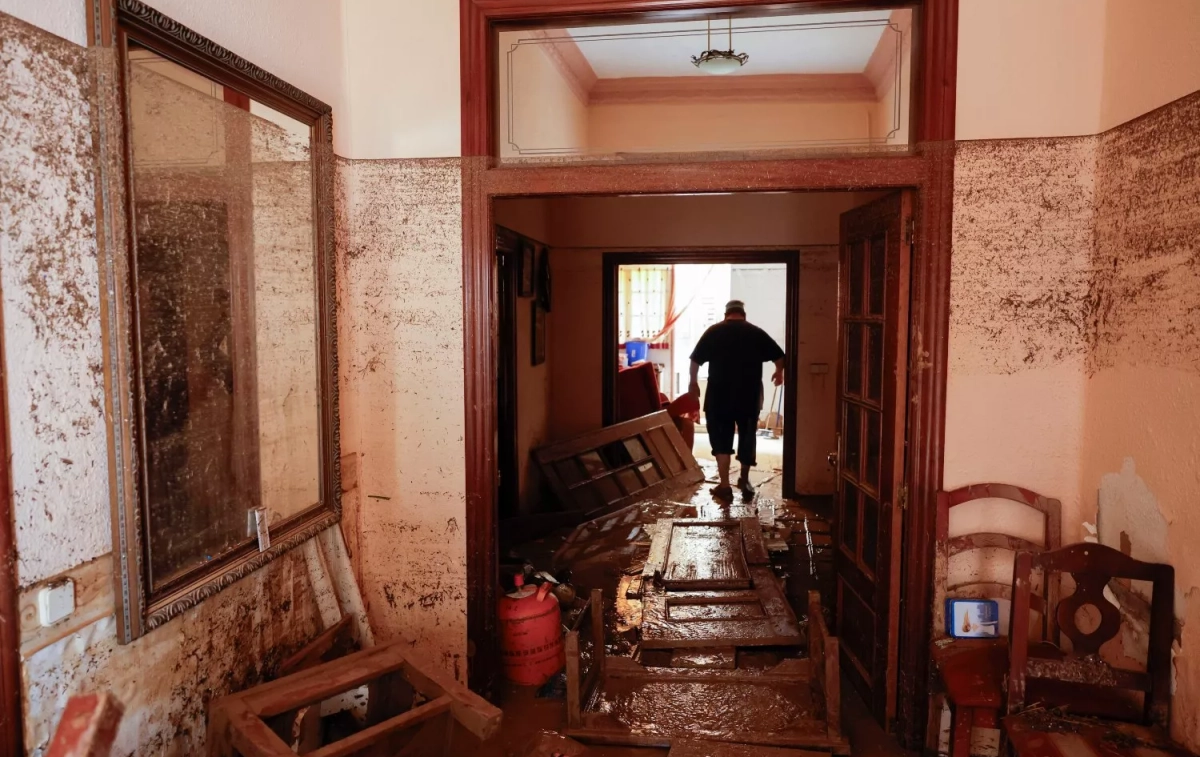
876,247
708,583
619,464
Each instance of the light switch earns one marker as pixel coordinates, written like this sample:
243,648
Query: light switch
56,602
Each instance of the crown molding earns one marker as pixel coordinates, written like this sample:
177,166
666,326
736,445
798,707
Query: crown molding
760,88
570,61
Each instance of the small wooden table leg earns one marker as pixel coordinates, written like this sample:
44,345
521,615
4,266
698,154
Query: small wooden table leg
960,732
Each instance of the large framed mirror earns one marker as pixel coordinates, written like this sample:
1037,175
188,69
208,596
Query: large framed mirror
220,344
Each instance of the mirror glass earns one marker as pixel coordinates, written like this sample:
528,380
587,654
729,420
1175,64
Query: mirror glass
729,83
224,272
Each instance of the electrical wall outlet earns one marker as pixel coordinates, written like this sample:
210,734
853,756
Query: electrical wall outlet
56,602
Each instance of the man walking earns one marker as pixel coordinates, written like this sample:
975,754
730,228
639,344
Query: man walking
736,350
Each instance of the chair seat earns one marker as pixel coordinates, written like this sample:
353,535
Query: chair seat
1074,736
973,670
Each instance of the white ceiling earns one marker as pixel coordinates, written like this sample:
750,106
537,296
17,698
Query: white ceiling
827,43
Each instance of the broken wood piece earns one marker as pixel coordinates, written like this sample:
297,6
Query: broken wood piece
823,655
330,642
88,727
618,465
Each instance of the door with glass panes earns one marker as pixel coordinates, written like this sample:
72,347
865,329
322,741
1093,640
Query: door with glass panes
873,304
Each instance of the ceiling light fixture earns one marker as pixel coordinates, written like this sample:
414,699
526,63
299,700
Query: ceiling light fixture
719,62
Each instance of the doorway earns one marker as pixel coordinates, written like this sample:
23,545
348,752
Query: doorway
844,291
701,282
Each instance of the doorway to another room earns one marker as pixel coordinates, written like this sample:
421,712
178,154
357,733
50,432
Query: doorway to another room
664,301
593,289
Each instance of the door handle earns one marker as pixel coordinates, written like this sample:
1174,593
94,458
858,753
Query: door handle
832,459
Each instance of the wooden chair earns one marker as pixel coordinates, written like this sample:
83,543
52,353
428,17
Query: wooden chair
969,673
1081,684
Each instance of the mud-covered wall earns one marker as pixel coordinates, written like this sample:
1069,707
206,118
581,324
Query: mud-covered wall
1020,300
400,293
1141,457
49,274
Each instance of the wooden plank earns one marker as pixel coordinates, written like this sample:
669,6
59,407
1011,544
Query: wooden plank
758,617
472,711
574,679
752,540
323,681
376,733
314,652
824,654
598,649
251,737
88,727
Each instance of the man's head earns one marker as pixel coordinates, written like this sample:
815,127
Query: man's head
735,310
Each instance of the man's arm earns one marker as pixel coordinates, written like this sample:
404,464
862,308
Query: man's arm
694,384
777,379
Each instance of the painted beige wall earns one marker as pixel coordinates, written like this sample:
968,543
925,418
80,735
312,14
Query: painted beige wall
402,79
1151,56
542,112
666,127
1029,68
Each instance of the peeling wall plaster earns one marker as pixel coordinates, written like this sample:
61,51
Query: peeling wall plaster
49,276
400,270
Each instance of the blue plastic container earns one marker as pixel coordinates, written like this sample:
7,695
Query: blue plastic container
635,351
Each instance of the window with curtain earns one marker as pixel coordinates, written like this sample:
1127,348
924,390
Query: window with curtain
644,303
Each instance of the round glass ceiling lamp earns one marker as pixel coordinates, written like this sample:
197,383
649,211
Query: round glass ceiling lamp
720,62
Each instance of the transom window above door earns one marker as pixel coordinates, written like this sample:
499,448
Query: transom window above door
723,83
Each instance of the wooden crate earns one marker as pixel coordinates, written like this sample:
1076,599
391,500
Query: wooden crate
250,723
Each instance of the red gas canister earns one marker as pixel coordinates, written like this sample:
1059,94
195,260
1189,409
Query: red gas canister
531,640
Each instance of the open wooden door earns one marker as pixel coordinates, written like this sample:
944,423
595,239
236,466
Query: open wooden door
876,245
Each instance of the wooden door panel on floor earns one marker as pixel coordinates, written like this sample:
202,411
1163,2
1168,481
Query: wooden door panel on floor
709,583
872,386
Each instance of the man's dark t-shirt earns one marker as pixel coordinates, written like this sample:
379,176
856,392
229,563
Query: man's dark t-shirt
736,350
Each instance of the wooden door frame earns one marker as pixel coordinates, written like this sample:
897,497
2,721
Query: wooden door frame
788,256
11,720
928,168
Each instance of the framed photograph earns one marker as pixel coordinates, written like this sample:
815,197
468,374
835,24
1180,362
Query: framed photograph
527,270
544,278
538,342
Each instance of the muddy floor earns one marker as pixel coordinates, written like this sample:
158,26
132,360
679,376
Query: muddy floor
609,554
